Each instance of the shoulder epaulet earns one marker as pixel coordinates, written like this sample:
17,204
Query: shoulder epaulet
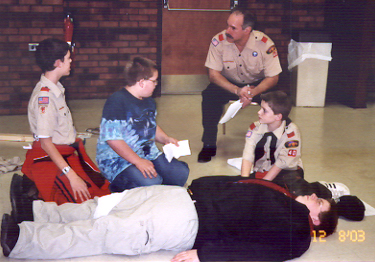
288,128
217,39
260,36
265,43
221,37
45,88
253,126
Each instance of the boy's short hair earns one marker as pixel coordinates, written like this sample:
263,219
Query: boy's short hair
50,50
328,221
139,68
279,102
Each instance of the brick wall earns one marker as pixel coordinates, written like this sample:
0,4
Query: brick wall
280,19
108,33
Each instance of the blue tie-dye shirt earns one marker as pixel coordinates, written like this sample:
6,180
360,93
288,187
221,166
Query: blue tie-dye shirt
130,119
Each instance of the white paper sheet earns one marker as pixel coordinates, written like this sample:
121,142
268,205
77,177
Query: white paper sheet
107,203
235,162
369,210
171,150
231,112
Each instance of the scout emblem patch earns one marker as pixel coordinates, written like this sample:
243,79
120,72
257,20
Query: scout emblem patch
45,89
42,109
293,143
272,50
264,39
290,135
248,134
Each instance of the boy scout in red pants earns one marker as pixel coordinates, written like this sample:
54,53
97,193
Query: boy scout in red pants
59,173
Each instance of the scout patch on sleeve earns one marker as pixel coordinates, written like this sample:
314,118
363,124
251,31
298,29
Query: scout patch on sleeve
292,143
43,100
291,134
249,133
272,50
42,109
215,42
45,89
264,39
292,153
221,37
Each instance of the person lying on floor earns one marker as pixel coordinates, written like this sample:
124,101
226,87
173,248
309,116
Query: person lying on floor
256,220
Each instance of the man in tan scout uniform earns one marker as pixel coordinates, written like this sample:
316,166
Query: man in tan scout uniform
242,63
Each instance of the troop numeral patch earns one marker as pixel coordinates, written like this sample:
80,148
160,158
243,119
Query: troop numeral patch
292,152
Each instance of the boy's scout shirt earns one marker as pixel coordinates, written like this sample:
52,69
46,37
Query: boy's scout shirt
48,113
287,151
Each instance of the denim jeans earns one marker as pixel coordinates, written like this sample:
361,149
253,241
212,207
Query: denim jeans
173,173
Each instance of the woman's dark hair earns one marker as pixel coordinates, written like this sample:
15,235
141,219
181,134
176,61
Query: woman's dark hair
328,221
139,68
279,102
50,50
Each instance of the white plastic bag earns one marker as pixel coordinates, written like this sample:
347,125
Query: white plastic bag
299,51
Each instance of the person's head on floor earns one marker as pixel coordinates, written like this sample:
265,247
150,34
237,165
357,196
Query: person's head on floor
141,76
323,213
275,107
53,53
240,23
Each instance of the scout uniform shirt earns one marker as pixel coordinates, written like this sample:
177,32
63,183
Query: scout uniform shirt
282,147
257,60
48,114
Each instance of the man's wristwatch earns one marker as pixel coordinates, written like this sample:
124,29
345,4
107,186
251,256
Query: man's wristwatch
66,170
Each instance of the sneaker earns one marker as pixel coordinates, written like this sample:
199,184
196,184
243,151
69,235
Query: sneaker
93,130
337,189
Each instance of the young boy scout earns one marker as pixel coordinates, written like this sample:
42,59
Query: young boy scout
273,144
52,163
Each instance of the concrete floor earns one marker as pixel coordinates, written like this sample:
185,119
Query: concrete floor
338,146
